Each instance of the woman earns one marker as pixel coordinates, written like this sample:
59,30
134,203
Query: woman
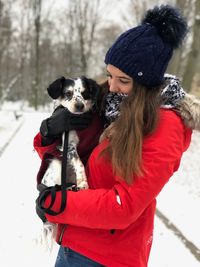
111,224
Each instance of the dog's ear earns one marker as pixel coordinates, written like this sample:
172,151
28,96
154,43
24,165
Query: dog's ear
55,88
91,85
95,91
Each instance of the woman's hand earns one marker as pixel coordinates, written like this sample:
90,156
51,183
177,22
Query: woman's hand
62,120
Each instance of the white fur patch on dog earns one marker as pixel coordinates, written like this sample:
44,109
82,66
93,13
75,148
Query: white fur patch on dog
52,175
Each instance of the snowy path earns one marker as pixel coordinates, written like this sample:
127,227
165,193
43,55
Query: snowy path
179,201
19,224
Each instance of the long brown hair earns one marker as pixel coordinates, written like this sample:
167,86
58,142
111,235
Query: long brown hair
138,118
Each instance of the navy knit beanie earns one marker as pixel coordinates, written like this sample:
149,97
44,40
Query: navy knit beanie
144,52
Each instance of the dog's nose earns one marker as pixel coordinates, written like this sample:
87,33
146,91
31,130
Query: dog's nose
79,106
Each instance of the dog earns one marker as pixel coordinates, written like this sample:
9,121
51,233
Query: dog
78,96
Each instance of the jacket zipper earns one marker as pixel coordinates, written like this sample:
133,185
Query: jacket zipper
61,235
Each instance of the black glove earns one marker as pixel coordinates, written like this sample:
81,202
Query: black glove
62,120
41,214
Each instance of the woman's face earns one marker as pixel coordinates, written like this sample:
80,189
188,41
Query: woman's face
118,81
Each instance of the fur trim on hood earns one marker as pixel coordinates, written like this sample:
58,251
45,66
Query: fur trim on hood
189,110
186,105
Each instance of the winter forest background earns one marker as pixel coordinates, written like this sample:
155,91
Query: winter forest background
41,40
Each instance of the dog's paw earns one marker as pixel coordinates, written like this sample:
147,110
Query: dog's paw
82,185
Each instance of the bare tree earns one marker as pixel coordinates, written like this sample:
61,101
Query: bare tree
106,36
85,18
5,35
35,48
37,4
179,59
193,56
8,88
174,66
22,46
136,10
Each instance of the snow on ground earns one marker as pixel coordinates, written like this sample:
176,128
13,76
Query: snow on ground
180,198
6,120
168,251
20,227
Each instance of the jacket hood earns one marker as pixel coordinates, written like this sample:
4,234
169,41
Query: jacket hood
186,105
189,110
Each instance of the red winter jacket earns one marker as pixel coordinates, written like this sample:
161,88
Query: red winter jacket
112,222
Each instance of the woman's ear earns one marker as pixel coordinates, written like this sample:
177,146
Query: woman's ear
55,88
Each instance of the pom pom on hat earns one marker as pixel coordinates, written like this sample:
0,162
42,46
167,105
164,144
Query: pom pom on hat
143,52
170,24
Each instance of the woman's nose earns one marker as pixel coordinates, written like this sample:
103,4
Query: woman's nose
113,86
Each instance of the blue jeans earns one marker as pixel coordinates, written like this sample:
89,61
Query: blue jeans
68,258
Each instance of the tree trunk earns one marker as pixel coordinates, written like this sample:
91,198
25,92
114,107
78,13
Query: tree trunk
37,22
175,65
5,39
86,20
191,66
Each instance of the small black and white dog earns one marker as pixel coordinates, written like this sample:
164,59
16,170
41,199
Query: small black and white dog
78,96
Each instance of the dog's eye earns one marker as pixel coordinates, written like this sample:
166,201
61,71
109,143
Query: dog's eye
86,94
68,94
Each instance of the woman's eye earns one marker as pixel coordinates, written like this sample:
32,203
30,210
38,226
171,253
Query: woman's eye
124,82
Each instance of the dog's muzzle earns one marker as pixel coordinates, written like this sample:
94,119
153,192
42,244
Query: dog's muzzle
79,105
